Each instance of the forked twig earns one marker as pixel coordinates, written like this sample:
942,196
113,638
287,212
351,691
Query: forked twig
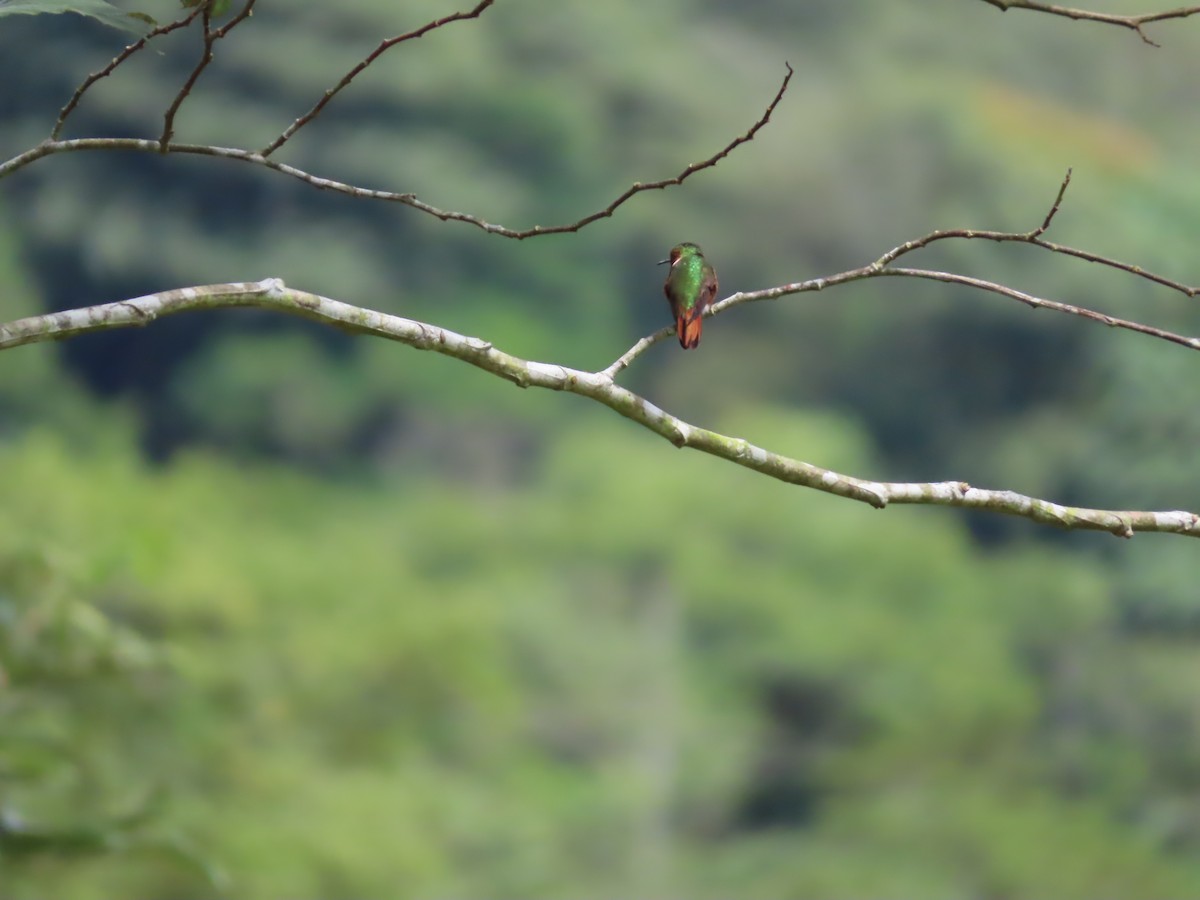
120,58
52,147
1034,237
1132,22
211,36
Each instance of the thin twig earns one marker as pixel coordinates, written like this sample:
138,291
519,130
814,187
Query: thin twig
211,36
1007,237
1034,237
205,58
120,58
1054,207
247,12
1132,22
882,267
370,58
1191,343
272,294
875,271
49,148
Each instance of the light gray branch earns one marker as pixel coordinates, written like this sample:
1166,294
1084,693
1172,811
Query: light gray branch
271,293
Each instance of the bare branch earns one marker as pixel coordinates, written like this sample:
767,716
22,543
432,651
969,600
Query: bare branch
873,271
211,36
51,147
1034,237
120,58
205,58
1038,303
370,58
1133,23
638,187
598,386
882,267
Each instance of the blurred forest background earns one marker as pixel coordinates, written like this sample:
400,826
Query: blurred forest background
287,613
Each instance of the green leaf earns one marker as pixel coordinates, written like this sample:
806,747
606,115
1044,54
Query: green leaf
100,10
219,7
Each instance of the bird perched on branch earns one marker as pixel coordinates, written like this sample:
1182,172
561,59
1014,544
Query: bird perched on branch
691,287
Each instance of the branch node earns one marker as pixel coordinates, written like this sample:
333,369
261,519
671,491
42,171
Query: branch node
274,288
681,434
1123,528
143,317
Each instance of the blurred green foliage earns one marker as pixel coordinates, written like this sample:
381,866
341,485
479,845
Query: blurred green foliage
287,613
552,690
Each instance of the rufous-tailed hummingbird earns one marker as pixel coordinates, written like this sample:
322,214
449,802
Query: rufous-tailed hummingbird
691,287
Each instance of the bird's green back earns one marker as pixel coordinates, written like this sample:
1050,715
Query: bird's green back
687,277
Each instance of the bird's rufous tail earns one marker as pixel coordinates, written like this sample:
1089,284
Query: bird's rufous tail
688,327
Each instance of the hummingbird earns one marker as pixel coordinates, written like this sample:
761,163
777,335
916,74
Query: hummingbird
691,287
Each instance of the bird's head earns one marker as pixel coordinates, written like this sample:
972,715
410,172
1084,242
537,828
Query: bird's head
682,251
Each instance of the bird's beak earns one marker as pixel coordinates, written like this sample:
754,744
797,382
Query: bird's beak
662,262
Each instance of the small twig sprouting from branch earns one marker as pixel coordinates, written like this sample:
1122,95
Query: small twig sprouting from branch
247,12
211,36
383,47
1054,208
598,386
623,362
1133,22
120,58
